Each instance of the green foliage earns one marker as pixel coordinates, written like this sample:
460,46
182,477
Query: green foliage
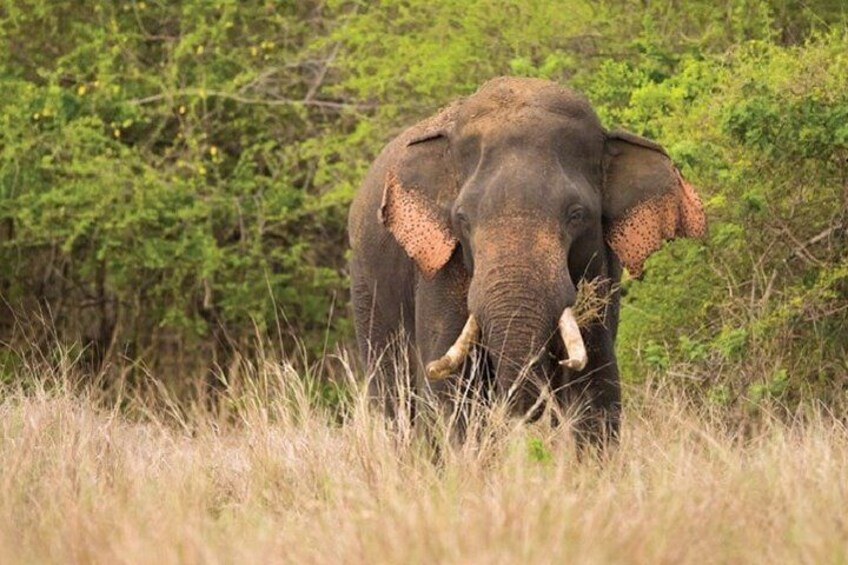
538,452
760,131
656,356
152,161
174,177
773,388
719,395
730,343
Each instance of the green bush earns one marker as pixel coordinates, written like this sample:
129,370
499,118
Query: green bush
158,185
174,177
760,130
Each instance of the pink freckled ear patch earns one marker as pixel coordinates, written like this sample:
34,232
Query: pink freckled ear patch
416,226
641,232
692,217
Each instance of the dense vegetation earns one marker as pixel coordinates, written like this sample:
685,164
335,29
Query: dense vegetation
174,177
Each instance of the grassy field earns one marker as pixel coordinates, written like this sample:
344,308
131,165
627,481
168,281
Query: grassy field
274,477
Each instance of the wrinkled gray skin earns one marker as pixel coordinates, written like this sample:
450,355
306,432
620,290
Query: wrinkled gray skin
518,174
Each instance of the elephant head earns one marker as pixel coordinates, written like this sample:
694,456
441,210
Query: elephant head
523,181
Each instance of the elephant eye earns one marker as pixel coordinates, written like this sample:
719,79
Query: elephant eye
462,222
577,214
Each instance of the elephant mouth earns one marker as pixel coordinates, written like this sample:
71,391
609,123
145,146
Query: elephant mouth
569,332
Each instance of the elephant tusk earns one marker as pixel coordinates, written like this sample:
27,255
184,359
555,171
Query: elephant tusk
450,361
573,341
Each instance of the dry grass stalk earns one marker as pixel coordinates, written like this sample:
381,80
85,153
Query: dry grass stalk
592,298
277,479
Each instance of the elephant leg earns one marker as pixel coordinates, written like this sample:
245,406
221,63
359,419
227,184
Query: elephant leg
383,334
441,313
594,394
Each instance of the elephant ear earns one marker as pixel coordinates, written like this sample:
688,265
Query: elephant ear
645,200
420,186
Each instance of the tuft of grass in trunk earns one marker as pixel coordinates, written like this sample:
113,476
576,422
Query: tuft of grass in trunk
593,296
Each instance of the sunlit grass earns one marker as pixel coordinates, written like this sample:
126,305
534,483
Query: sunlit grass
276,475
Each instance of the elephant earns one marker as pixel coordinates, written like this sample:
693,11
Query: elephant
472,231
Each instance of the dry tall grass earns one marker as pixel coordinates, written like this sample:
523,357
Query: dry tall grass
275,477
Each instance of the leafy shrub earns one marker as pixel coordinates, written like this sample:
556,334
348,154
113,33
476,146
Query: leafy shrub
766,124
174,177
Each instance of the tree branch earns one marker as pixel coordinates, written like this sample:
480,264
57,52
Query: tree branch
319,80
329,104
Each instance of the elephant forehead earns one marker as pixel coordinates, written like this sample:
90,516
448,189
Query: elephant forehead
510,122
507,93
526,241
536,140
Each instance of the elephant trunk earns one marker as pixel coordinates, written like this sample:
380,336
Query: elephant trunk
521,293
517,320
517,351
